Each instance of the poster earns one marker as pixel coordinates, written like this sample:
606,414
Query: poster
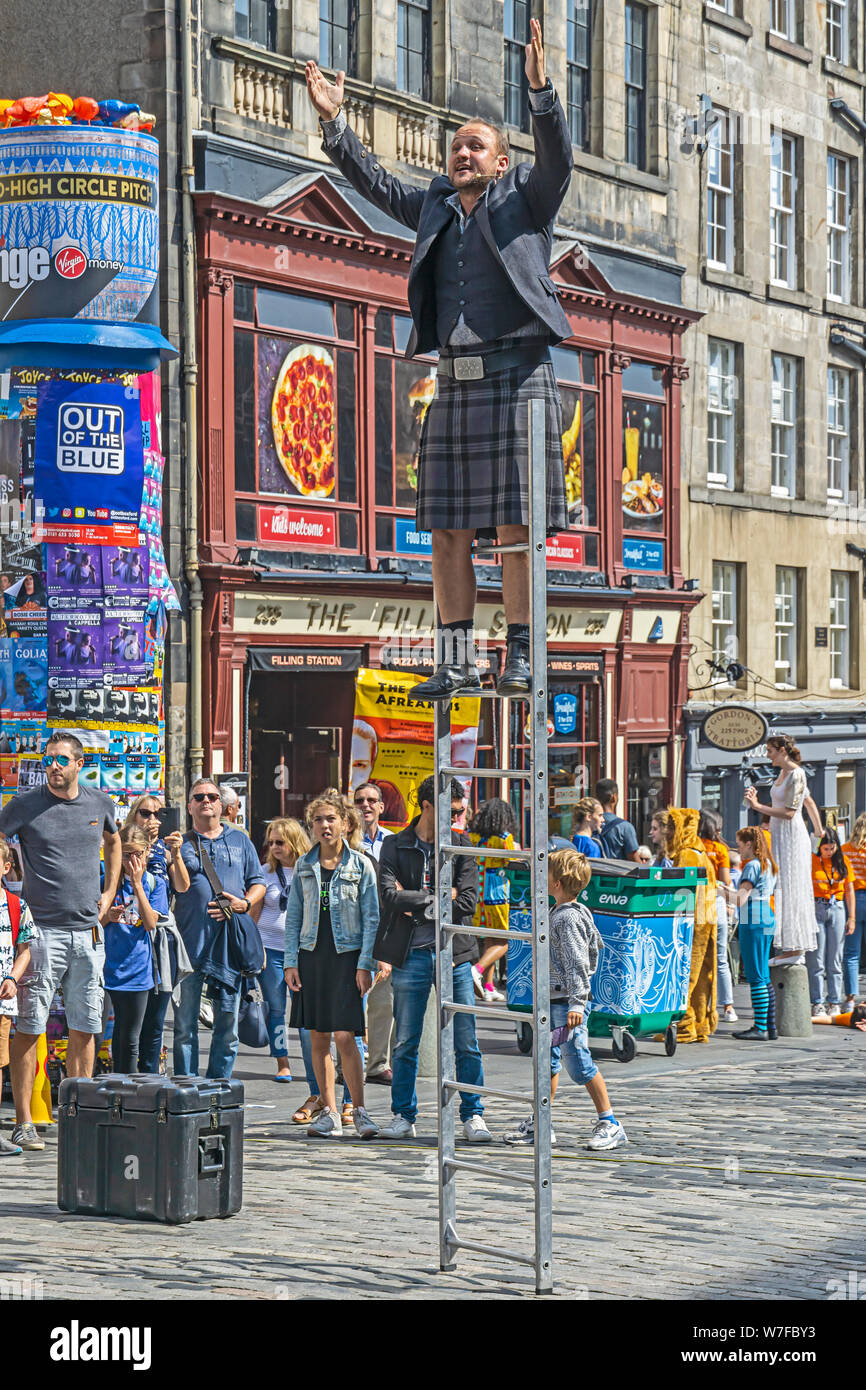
75,643
124,655
150,520
23,585
125,570
29,676
79,224
392,739
642,472
305,419
73,569
89,462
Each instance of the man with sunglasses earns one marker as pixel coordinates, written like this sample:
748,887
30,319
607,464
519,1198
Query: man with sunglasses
61,827
198,915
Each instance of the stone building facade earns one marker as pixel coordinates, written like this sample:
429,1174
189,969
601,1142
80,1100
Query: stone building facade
774,495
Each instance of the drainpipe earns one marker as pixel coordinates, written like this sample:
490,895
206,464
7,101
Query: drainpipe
190,391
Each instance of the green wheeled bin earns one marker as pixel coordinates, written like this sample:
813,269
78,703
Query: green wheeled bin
646,919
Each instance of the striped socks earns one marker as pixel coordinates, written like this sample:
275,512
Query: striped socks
760,1004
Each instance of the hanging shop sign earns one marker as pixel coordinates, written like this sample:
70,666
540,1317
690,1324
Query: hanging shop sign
734,728
79,248
89,462
286,660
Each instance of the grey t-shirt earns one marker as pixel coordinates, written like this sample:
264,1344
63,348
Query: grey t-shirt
60,843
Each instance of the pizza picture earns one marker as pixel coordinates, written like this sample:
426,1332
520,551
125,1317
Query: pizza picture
303,420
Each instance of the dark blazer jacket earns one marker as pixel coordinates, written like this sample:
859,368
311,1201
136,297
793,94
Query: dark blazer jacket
401,861
516,220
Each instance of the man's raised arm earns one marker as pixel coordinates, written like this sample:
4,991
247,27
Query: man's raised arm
551,173
342,146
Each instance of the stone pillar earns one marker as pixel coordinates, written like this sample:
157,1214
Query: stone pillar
793,1008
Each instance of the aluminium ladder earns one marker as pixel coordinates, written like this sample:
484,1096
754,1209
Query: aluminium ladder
449,1165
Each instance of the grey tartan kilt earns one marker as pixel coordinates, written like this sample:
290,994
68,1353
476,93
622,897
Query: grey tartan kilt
473,460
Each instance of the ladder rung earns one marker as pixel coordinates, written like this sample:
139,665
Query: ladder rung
465,1166
484,772
455,1243
474,852
486,932
490,1091
484,552
507,1015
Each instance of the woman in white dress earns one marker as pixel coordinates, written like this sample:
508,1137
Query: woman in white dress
796,927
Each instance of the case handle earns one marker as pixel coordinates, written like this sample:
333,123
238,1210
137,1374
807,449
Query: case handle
211,1154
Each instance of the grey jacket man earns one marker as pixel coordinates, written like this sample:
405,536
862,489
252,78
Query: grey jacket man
516,218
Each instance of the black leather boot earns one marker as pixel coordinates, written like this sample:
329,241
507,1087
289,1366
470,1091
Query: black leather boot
447,681
516,675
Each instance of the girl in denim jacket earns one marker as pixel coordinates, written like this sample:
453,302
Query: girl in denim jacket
331,922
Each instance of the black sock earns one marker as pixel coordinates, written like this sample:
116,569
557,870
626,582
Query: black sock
518,639
457,643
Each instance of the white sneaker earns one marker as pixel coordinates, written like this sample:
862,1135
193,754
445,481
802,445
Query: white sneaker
478,982
524,1134
326,1125
365,1127
493,995
833,1011
730,1015
399,1128
476,1130
818,1011
607,1134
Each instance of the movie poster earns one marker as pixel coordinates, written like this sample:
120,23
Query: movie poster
392,740
123,639
125,570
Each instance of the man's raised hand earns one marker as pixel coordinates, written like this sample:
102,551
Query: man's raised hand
535,73
327,97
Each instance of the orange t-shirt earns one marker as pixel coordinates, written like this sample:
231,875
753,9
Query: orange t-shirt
826,883
856,856
719,854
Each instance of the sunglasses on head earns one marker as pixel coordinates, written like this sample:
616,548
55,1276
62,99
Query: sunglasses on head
61,759
205,796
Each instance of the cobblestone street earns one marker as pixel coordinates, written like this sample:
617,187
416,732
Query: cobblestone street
745,1178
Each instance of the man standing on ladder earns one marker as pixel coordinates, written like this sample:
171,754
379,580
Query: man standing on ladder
480,292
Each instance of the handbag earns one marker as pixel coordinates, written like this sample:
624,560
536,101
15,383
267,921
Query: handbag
252,1023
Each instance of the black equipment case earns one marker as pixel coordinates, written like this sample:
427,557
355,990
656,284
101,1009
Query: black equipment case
168,1148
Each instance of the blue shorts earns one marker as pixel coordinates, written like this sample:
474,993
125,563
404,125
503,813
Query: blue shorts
574,1055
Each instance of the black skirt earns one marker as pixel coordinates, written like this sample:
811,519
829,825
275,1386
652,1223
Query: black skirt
473,466
328,1000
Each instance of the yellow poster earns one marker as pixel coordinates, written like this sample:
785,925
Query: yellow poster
392,740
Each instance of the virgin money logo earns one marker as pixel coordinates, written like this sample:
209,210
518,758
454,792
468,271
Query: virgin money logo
70,262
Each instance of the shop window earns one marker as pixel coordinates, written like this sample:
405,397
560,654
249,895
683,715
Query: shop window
404,390
643,489
296,422
298,313
245,411
244,301
573,755
580,414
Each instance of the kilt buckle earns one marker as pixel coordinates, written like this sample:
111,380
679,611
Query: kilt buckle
468,368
